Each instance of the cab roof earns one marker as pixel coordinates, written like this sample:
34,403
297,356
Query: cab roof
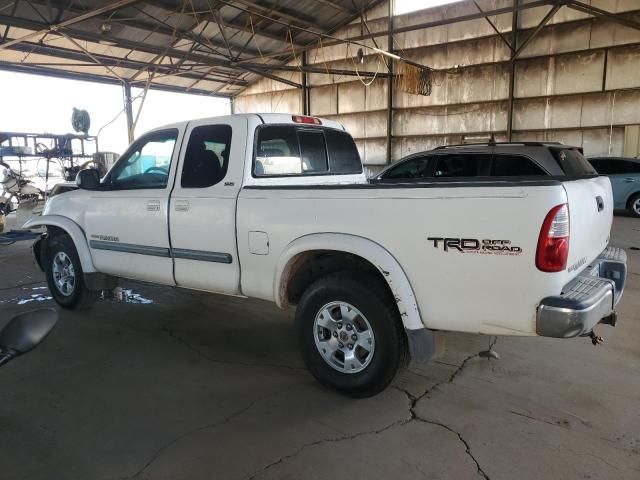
265,118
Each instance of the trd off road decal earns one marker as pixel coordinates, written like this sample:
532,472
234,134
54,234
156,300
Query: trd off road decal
106,238
473,245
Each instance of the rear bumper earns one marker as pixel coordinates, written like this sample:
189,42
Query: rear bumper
587,300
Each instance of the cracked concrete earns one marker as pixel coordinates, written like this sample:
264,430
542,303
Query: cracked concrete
413,401
197,386
181,437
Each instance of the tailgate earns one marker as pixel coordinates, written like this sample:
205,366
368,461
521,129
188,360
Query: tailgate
590,216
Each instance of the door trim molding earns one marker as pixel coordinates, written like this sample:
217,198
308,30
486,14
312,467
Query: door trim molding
181,253
200,255
130,248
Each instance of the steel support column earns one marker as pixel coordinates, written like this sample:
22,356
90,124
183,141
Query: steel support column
306,107
128,109
512,68
390,83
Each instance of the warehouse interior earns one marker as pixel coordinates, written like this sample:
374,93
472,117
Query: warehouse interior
168,383
565,78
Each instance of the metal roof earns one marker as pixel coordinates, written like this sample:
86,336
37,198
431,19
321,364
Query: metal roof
214,47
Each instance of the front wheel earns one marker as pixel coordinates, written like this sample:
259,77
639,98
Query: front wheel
64,274
351,334
634,205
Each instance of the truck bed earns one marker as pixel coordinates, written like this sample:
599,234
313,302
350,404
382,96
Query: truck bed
432,229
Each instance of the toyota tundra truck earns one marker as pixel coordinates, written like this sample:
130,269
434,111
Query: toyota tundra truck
277,207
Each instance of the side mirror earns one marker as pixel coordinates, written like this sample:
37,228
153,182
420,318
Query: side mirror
24,332
88,179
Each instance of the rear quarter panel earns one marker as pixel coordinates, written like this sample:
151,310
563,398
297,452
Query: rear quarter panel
480,292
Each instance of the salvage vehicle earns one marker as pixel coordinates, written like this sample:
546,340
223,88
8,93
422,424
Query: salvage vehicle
624,174
15,188
502,159
277,207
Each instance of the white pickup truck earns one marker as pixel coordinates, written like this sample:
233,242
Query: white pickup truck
277,207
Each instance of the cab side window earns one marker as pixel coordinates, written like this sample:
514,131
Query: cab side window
146,164
207,156
459,165
627,167
597,164
410,169
615,166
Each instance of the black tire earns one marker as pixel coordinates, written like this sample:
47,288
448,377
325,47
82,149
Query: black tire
366,293
78,298
630,205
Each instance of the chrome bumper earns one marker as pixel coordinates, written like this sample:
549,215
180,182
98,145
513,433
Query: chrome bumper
587,300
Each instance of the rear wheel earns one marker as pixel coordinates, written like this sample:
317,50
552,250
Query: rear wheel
64,274
634,205
351,334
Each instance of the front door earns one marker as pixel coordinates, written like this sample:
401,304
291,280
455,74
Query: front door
126,223
203,205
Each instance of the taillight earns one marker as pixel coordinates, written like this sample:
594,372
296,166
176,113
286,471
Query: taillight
553,243
304,119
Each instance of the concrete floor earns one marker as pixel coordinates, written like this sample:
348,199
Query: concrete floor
181,385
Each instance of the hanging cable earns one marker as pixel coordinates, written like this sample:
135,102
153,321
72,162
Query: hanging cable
355,66
116,117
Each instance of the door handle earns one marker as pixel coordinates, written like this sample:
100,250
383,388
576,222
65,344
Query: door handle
153,206
182,206
629,180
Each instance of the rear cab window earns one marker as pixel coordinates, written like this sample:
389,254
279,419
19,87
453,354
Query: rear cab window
290,150
572,162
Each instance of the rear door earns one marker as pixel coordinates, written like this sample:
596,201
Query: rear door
625,176
202,209
590,201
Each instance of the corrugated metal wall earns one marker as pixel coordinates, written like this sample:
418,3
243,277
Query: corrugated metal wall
575,82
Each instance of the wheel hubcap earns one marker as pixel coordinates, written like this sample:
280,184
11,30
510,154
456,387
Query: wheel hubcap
636,206
64,276
344,338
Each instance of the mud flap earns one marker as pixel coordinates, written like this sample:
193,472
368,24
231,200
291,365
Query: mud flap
422,344
39,251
